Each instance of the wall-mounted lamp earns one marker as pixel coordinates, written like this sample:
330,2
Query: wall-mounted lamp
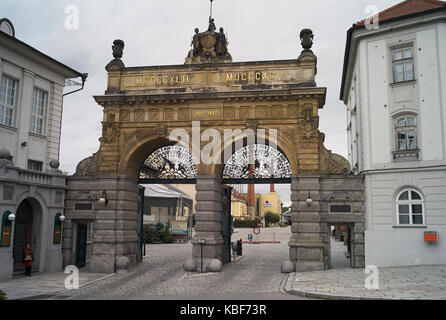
309,201
11,217
62,218
103,199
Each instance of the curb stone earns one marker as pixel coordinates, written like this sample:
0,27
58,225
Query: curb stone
317,295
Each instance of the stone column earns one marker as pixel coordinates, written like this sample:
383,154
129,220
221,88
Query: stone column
208,221
307,243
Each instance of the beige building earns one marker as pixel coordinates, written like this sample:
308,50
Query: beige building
270,202
266,202
239,206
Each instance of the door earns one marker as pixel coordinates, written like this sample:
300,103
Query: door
22,236
81,245
226,224
22,233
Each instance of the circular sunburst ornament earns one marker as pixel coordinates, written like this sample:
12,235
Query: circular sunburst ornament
257,161
172,162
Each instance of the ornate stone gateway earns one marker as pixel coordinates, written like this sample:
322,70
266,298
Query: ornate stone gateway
147,110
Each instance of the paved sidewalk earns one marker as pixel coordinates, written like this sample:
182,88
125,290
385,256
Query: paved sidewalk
400,283
44,285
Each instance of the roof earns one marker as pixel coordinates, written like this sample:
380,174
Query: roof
405,8
164,191
34,54
402,10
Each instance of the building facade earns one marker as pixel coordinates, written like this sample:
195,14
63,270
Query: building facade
239,208
394,87
165,203
31,186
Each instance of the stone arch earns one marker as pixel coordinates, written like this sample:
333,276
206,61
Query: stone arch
134,155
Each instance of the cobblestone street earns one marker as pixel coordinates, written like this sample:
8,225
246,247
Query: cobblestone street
255,276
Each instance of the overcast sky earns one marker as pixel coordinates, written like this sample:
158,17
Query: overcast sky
159,32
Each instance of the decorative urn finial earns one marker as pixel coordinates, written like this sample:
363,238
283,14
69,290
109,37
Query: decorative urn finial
116,64
118,48
306,38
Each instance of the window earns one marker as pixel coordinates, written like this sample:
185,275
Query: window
406,133
38,111
35,165
410,208
402,65
8,88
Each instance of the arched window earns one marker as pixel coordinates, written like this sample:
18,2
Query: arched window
6,224
410,208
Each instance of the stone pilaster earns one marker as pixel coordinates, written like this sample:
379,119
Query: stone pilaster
208,220
358,253
307,243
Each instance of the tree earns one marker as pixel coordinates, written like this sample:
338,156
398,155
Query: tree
2,295
271,218
167,237
149,233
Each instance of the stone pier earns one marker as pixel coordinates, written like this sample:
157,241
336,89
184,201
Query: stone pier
208,220
308,230
114,224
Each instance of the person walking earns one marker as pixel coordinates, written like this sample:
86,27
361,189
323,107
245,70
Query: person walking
28,259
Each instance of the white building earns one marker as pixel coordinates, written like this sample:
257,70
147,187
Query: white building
394,87
31,187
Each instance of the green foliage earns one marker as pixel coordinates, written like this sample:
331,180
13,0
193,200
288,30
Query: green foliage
244,224
285,209
167,237
2,295
271,218
149,234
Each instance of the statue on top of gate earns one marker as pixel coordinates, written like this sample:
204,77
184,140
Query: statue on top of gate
209,46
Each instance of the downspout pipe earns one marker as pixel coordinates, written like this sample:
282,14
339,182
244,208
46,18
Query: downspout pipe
84,78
